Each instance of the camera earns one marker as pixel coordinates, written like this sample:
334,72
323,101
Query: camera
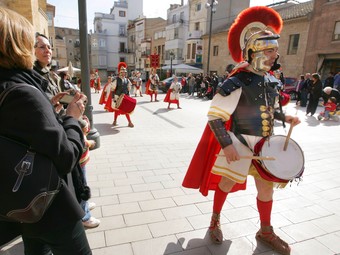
68,98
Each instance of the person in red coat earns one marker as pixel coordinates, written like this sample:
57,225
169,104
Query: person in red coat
240,118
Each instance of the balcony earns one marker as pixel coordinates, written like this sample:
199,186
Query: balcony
146,40
197,34
125,51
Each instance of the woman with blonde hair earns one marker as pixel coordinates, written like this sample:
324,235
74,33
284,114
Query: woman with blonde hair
27,115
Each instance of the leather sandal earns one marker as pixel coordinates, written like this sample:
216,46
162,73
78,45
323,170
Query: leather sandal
215,231
267,236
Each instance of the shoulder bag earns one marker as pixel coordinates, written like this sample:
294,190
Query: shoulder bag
29,180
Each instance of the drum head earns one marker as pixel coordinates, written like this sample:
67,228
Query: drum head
288,164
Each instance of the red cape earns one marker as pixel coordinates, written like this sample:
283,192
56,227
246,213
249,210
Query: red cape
167,98
147,86
199,174
103,95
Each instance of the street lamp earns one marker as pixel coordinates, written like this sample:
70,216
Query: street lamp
212,7
172,55
139,61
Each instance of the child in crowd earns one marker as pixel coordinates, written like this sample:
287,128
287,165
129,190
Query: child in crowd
88,220
330,106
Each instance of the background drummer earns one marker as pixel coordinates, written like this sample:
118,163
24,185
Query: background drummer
120,86
246,103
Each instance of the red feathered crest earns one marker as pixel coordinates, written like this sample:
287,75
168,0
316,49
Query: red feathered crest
120,65
259,14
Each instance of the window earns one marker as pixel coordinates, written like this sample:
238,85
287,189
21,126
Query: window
181,16
293,44
122,30
102,60
176,33
174,18
336,36
121,47
188,51
70,41
50,18
102,43
197,26
215,53
193,51
198,7
122,14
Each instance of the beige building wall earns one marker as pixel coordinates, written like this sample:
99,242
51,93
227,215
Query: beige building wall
59,53
219,62
33,10
292,65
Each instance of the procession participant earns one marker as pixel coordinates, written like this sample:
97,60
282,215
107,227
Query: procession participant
172,95
106,91
92,80
151,87
120,86
245,103
138,84
97,83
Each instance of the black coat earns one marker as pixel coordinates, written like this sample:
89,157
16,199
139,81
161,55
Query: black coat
334,93
28,116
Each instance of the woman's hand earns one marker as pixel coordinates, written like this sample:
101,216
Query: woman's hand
76,107
55,101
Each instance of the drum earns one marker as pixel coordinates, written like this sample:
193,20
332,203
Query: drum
125,103
288,164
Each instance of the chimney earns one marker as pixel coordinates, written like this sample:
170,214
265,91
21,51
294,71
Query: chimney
182,2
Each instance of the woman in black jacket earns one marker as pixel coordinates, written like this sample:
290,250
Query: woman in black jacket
28,116
315,94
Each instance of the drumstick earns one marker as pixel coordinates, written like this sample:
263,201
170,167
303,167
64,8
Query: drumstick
288,137
253,157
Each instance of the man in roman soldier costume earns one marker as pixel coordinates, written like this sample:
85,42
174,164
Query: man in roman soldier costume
151,86
240,118
138,84
119,87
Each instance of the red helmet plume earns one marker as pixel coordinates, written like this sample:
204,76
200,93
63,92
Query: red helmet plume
258,18
122,66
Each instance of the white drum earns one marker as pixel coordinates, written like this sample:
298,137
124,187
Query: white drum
288,164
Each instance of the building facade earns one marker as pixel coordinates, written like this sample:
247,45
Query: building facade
109,40
323,41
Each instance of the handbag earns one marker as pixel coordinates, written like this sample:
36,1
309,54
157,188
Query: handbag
29,180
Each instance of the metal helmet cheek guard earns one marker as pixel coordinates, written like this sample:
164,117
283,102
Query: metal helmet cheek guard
256,43
250,34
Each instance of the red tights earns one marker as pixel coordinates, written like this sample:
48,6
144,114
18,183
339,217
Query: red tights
265,210
117,114
219,199
264,207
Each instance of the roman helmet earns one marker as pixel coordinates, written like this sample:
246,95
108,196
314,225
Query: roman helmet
254,30
122,68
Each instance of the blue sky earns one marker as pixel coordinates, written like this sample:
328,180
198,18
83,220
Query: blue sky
67,10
